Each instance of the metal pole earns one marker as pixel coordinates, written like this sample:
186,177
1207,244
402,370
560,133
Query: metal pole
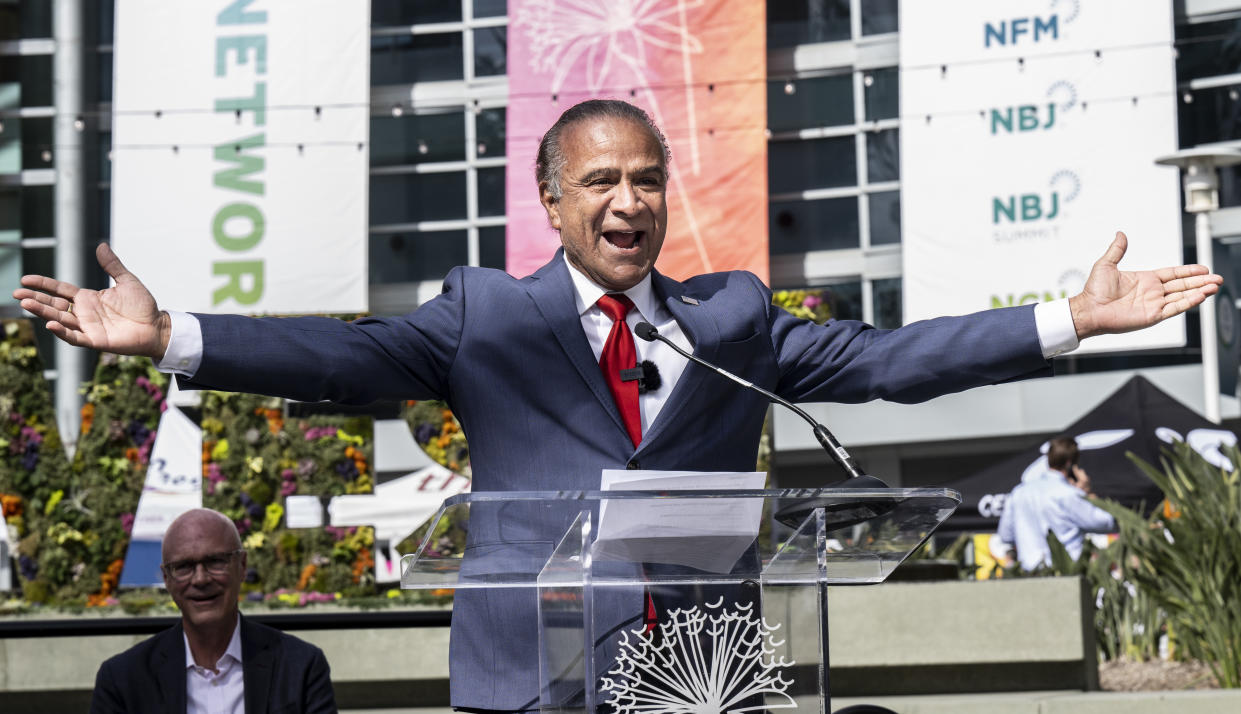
1206,321
71,362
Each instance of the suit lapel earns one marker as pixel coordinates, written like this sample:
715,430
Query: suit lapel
702,332
169,665
257,663
554,296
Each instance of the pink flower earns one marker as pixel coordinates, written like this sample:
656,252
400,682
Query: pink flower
812,301
127,522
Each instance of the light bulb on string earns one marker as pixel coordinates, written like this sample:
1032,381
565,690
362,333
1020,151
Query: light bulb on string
46,155
423,148
397,110
79,123
790,88
868,79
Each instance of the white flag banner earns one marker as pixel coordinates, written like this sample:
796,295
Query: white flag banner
1028,138
174,476
239,152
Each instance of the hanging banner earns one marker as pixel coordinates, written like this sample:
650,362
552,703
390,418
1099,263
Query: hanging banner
1029,133
173,486
239,153
698,68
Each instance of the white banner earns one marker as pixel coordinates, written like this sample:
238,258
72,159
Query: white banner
239,156
1028,138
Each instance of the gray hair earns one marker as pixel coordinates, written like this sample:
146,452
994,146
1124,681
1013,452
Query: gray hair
551,159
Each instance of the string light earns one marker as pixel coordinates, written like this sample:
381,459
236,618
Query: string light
46,156
397,110
790,88
868,80
79,123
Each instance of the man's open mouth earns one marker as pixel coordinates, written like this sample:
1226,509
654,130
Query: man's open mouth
624,239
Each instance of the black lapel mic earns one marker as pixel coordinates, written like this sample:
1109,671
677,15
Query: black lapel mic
647,375
793,514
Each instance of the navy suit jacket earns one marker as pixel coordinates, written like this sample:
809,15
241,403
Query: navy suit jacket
512,361
283,675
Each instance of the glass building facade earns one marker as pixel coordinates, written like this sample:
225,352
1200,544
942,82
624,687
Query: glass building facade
437,194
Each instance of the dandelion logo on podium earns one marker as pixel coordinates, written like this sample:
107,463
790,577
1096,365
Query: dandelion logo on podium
717,661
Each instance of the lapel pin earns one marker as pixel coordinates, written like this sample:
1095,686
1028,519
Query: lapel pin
689,300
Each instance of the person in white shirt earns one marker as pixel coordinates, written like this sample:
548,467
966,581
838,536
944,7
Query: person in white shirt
214,661
1057,504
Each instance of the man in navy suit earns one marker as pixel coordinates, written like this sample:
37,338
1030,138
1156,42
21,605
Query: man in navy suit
519,360
214,660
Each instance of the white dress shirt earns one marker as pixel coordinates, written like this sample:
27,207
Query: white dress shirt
219,691
1052,320
647,308
1049,504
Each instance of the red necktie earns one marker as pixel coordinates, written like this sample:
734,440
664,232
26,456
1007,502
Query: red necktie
619,353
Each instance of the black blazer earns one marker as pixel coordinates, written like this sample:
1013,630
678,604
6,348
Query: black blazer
282,675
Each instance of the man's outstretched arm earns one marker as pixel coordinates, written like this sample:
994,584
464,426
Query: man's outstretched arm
123,318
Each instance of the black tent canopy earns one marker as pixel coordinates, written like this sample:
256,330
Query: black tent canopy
1138,417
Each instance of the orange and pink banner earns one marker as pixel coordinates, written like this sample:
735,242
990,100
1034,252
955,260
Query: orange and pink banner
698,67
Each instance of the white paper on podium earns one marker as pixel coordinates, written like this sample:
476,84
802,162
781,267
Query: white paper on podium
709,534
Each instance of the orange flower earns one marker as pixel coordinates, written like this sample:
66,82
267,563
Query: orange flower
365,562
446,414
308,573
107,584
1170,511
88,417
10,504
132,454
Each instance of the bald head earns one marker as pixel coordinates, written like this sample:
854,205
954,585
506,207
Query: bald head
197,525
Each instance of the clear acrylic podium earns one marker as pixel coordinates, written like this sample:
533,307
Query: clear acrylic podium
740,597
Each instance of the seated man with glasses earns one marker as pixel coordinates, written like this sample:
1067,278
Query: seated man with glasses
214,660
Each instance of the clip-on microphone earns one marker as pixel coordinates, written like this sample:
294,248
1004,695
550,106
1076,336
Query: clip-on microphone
841,514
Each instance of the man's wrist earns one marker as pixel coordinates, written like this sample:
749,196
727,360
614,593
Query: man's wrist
163,328
1078,311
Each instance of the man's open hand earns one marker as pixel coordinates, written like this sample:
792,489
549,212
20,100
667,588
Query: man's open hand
123,319
1118,301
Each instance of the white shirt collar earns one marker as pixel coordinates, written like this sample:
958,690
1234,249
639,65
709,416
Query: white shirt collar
233,650
588,293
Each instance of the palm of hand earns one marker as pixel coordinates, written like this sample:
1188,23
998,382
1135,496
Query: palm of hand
1124,301
119,319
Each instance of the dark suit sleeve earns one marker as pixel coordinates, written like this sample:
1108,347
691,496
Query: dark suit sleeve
320,697
316,358
850,361
106,699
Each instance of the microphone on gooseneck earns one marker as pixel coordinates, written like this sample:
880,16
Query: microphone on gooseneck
792,515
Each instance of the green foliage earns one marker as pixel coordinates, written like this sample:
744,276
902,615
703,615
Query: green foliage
253,458
73,520
1186,557
439,434
813,305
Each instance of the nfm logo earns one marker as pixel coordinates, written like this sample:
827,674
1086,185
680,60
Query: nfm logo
1003,33
1061,96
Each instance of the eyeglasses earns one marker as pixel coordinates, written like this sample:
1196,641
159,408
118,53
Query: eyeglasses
214,564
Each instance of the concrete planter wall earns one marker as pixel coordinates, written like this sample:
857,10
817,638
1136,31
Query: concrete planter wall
898,638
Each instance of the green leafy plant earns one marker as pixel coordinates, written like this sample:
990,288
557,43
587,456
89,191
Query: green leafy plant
1186,557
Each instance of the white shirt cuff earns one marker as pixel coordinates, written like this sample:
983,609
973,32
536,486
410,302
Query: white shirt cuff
1056,332
185,345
